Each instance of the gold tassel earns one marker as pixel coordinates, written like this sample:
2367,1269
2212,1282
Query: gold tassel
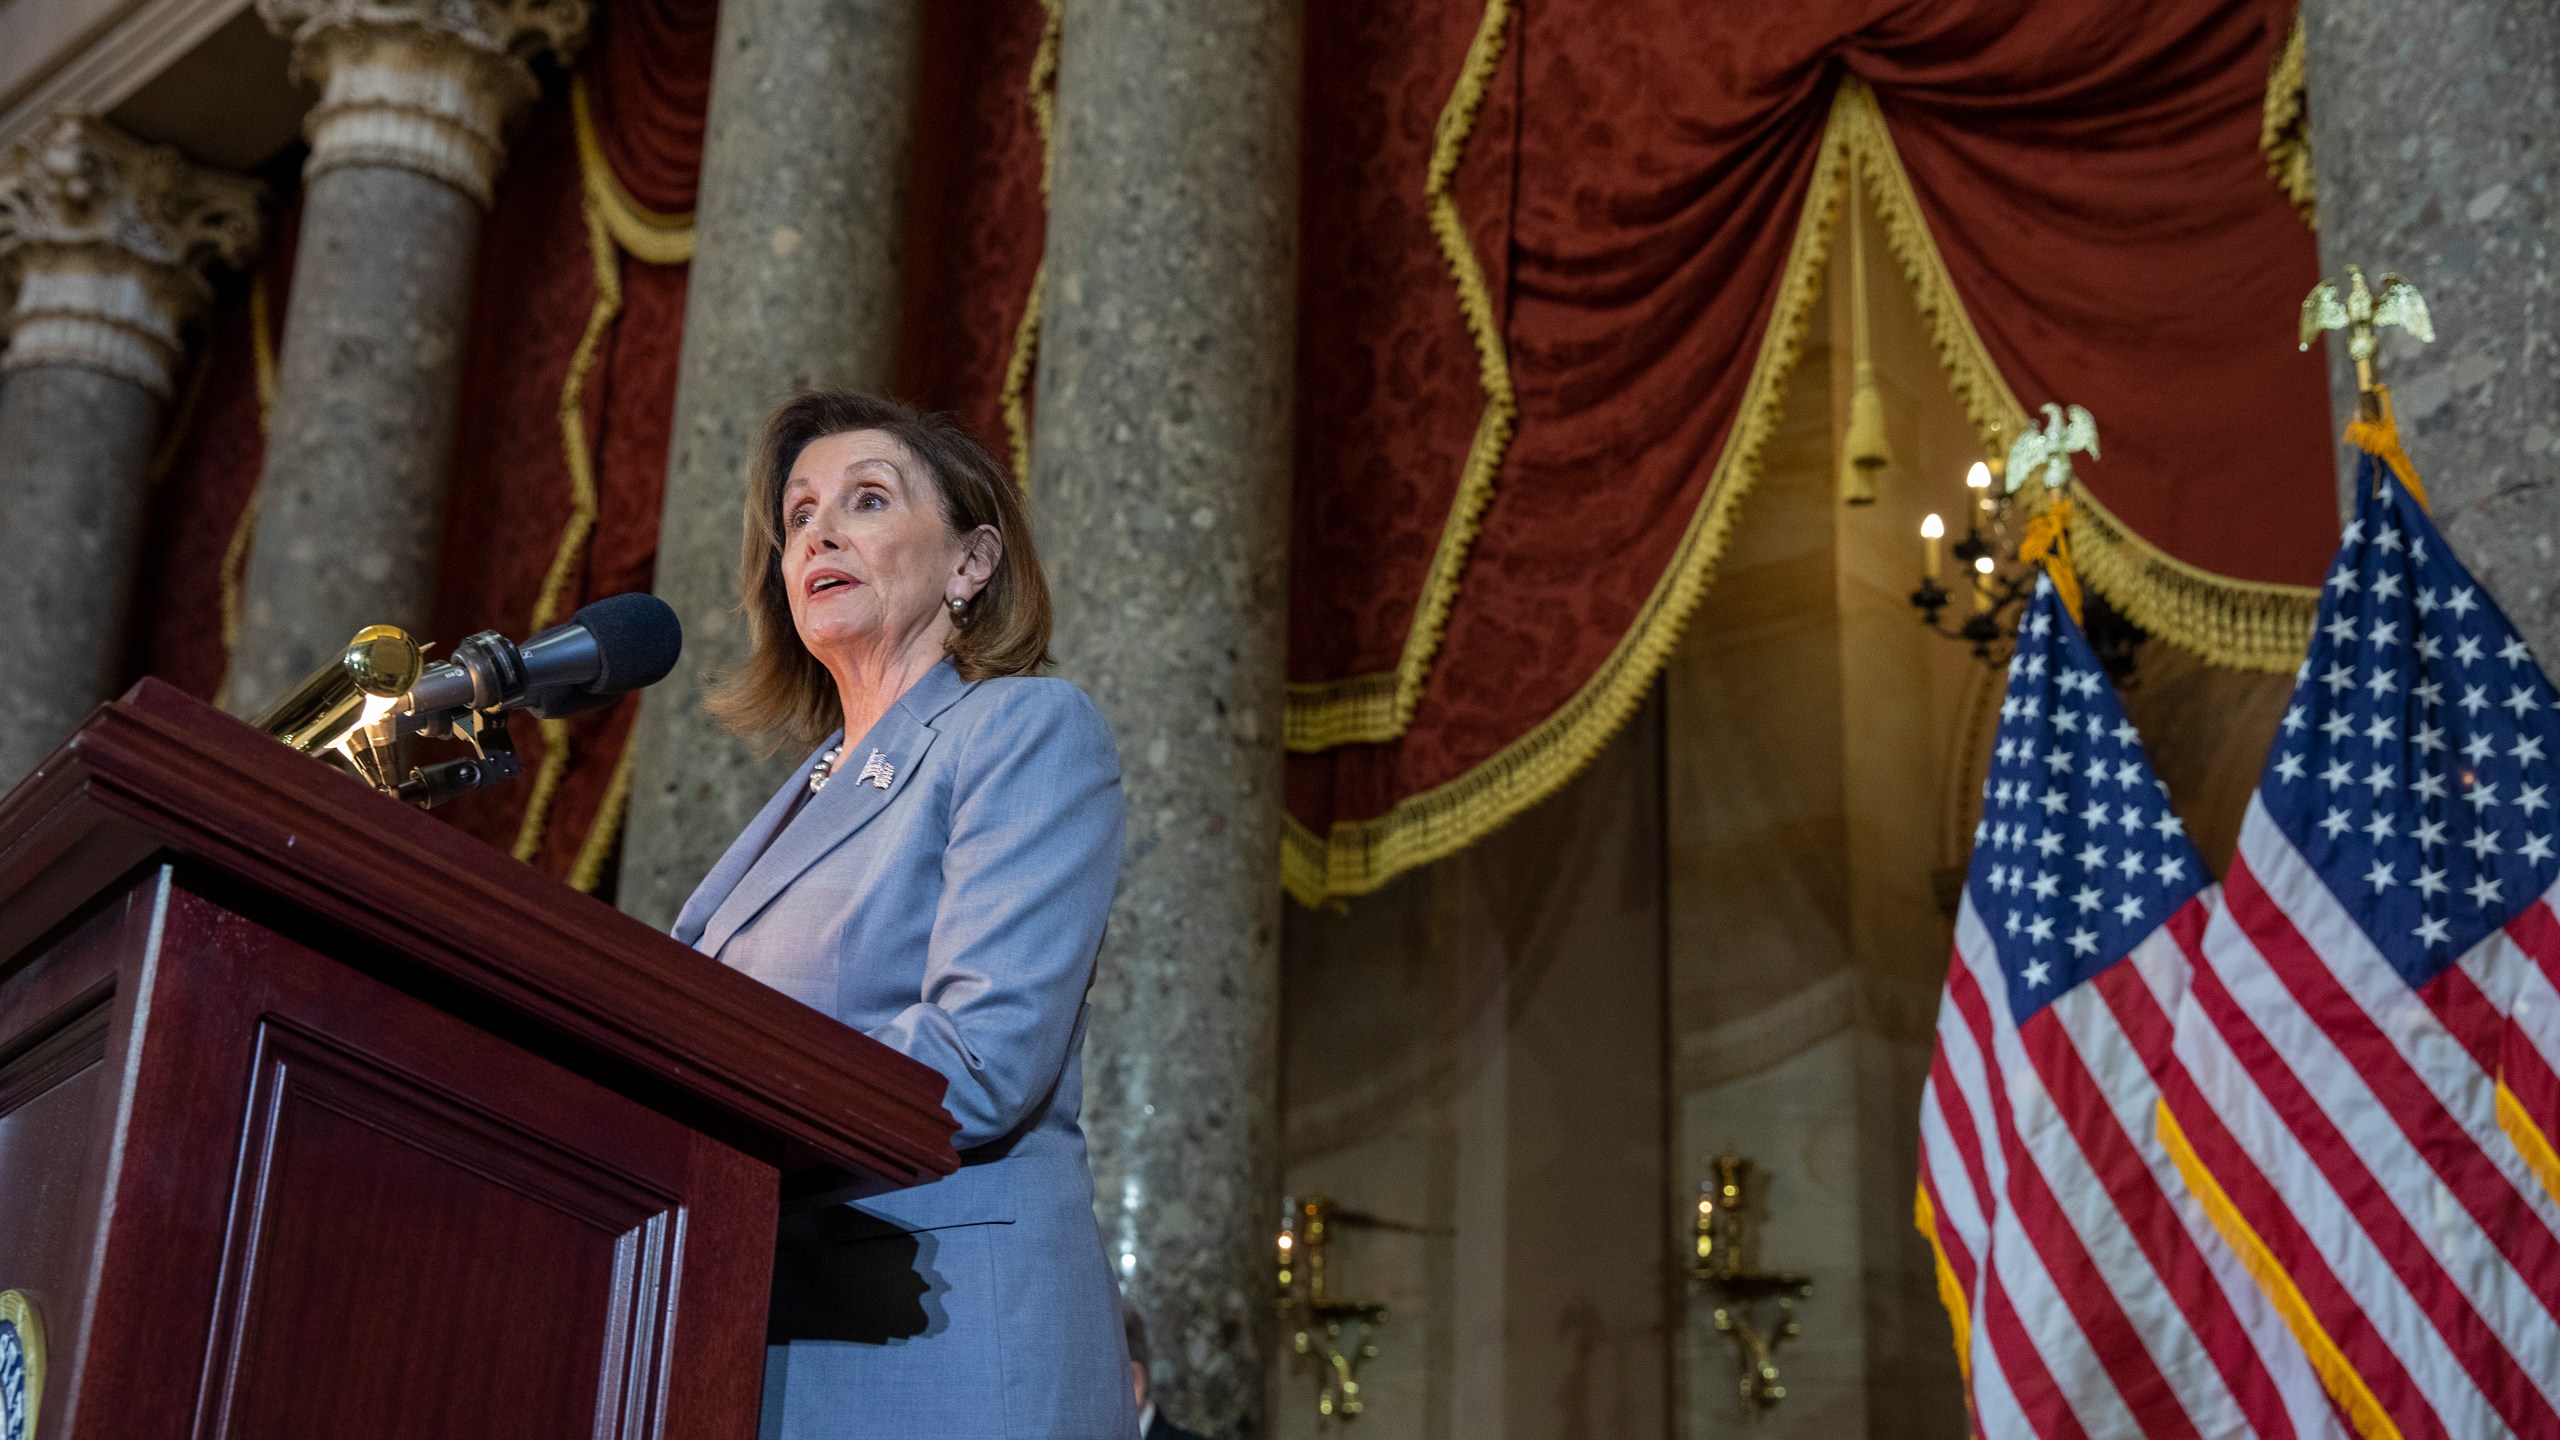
2380,437
2284,127
2048,543
1864,453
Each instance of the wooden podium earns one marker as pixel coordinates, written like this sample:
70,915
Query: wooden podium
319,1118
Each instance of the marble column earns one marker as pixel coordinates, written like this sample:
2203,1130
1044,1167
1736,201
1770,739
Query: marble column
1161,476
405,144
2436,142
102,239
795,283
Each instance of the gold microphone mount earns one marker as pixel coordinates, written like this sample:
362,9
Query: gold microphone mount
335,714
359,711
353,713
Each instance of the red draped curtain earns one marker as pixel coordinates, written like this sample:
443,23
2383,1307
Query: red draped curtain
2076,191
1555,260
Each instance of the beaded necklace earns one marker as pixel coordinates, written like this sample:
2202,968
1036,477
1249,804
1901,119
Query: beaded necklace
826,769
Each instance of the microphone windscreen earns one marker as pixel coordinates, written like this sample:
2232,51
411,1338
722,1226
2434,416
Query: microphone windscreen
638,637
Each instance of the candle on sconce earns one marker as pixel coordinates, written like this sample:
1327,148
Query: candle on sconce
1932,530
1982,568
1978,480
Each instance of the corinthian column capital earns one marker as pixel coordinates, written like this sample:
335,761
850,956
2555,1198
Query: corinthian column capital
103,238
421,85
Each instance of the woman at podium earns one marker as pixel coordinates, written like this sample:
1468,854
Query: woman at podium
935,874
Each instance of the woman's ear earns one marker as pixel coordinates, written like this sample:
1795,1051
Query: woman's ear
980,551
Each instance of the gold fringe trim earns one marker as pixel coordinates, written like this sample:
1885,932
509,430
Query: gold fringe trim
1361,855
616,225
536,820
1371,708
1324,713
650,236
244,531
2239,624
1022,368
574,450
2284,131
606,832
1950,1289
2337,1374
1019,372
1041,89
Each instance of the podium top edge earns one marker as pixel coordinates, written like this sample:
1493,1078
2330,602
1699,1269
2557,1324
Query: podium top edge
160,772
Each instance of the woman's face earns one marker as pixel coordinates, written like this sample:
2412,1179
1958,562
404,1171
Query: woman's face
867,560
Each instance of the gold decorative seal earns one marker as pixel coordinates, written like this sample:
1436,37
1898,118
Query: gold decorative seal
21,1365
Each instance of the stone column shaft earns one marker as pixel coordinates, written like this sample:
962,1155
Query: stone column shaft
405,145
101,238
795,283
74,444
2436,142
351,502
1162,479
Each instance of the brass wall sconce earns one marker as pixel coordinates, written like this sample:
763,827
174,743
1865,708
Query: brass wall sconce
1336,1335
1989,564
1754,1308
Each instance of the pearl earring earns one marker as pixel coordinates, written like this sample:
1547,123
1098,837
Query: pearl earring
956,604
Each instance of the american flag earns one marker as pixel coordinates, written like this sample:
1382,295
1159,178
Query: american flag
2368,1043
2089,1293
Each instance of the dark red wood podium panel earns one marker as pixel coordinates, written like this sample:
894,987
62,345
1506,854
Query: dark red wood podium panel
319,1119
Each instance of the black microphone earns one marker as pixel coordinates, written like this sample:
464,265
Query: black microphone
606,650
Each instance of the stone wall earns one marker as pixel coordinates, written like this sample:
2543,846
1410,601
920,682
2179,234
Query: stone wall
2436,137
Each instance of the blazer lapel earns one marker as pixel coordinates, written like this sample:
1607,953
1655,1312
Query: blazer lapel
838,812
724,877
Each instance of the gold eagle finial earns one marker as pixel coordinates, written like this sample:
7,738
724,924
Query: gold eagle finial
2066,432
2362,313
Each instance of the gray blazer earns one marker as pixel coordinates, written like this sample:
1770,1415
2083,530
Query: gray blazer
952,910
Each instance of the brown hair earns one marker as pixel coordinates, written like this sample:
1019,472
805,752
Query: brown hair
782,694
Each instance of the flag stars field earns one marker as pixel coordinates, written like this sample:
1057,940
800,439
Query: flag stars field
2070,786
2405,628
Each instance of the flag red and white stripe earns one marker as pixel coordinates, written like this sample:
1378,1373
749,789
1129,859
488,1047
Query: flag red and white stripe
2365,1052
2101,1301
2350,1122
2090,1293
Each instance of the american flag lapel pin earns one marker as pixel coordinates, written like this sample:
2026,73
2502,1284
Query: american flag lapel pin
877,770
